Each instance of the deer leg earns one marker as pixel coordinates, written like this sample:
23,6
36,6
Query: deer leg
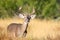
25,33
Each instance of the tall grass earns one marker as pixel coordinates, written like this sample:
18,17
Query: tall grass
37,30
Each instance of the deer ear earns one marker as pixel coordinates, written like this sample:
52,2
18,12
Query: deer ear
21,16
33,16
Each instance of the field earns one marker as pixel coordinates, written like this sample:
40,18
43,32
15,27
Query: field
37,30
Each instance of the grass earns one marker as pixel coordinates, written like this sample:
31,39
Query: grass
37,30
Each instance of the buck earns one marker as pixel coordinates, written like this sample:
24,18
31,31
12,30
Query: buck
19,30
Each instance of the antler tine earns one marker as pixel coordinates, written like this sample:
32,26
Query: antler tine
33,11
20,8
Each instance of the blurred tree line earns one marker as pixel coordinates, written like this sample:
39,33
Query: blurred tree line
49,9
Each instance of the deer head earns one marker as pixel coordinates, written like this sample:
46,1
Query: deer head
31,15
28,16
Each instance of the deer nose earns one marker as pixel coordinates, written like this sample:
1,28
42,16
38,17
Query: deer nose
28,19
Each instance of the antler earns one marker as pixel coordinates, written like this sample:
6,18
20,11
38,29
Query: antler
20,8
33,11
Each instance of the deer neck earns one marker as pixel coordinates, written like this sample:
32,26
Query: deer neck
25,24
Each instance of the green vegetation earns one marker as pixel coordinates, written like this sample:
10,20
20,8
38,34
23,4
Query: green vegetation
44,8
